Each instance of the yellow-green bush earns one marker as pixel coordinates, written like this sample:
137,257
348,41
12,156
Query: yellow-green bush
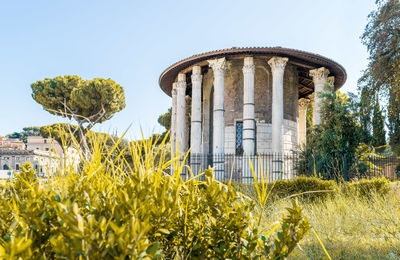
111,209
315,189
305,188
379,186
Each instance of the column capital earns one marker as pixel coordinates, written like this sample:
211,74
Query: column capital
218,66
278,63
181,77
331,80
174,87
303,102
248,66
319,74
181,84
196,73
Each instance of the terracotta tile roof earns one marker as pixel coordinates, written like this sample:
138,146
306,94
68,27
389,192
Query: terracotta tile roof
299,57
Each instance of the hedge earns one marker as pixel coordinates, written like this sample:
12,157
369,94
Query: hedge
315,189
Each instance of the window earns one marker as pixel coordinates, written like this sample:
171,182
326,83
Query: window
239,138
47,149
45,141
17,167
5,167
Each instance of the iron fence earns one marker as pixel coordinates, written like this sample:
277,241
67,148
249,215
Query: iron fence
244,168
349,167
271,166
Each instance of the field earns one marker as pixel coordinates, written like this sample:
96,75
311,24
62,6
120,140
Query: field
350,226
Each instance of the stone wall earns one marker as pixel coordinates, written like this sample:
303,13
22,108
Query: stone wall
207,85
262,91
233,102
264,137
230,139
233,99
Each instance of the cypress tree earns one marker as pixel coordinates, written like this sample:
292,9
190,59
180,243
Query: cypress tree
382,39
378,126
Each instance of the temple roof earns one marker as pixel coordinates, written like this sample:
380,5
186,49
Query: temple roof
303,60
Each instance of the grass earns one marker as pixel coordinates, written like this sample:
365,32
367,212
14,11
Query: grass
350,227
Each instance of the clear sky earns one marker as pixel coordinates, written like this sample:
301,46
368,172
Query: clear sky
132,42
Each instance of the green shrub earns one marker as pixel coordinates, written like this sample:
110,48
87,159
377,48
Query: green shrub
305,188
366,188
310,189
106,212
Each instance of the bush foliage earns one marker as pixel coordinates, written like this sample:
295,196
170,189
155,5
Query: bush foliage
312,189
367,188
112,209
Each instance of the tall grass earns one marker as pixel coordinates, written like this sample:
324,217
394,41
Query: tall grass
350,226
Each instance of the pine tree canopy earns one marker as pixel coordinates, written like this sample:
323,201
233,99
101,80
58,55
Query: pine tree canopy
87,101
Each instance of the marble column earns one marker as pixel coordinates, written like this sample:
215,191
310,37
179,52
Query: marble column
195,134
218,66
320,79
181,114
278,69
195,137
302,127
277,65
173,118
248,106
331,80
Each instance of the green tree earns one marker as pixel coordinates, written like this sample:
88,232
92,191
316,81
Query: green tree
361,108
382,39
67,135
309,121
88,102
394,120
365,116
63,133
165,121
378,125
26,131
333,144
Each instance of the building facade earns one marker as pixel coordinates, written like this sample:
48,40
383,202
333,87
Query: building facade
39,143
11,143
245,102
43,162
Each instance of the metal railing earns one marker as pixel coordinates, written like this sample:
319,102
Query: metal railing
350,167
271,166
244,168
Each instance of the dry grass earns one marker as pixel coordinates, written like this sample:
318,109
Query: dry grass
349,226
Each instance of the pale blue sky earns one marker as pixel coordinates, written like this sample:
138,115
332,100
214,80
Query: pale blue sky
132,42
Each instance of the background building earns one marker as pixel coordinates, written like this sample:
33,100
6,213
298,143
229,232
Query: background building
43,144
11,143
43,162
